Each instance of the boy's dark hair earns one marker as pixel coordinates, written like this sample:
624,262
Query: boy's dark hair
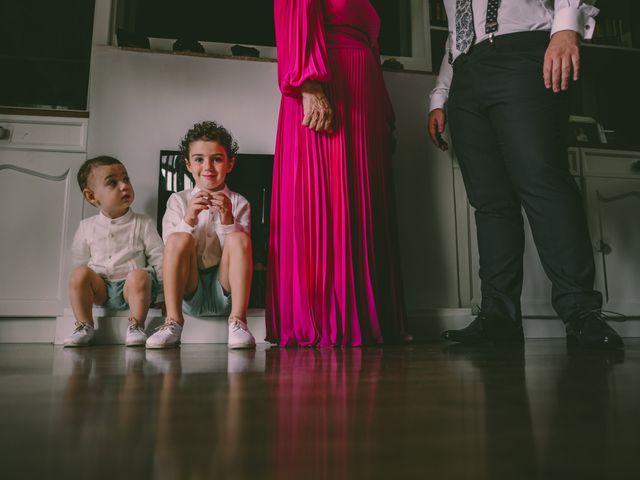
88,166
210,131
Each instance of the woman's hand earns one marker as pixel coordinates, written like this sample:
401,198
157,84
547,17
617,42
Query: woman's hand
318,114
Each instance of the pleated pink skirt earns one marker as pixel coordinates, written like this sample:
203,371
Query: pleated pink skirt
334,276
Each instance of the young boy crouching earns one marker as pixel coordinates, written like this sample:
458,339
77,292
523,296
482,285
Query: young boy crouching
116,254
208,258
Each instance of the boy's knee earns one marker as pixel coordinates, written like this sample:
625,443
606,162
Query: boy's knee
138,278
178,243
239,240
79,276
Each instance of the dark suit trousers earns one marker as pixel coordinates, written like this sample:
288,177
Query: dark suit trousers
510,136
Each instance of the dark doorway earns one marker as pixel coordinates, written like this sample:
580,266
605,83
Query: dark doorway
251,177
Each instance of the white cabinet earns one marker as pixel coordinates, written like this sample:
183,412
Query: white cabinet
39,210
612,190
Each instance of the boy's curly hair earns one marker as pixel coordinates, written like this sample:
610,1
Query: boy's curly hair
88,166
210,131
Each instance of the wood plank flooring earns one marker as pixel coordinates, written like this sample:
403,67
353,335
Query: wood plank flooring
420,411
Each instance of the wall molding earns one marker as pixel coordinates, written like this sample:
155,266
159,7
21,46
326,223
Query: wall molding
33,173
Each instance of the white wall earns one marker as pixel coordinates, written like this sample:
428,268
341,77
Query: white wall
425,199
143,102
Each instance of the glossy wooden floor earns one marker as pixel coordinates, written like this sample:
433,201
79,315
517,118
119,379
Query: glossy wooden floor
420,411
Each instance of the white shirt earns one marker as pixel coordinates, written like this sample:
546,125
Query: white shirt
514,16
209,233
112,247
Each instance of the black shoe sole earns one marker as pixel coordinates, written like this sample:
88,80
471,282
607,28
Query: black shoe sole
575,343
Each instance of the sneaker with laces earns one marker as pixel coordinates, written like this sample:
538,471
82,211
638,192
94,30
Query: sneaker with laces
239,334
135,334
81,336
166,336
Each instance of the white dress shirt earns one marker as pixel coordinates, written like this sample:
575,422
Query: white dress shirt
209,233
112,247
514,16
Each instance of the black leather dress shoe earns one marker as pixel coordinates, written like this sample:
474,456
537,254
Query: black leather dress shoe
487,329
590,330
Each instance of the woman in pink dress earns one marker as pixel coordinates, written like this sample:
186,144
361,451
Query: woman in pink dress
334,276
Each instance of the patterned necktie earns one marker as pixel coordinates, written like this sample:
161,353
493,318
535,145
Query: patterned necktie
464,25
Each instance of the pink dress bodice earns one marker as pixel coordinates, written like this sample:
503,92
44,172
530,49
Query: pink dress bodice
306,29
357,17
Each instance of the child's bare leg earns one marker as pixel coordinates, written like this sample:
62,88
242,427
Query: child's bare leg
137,293
179,273
86,288
236,270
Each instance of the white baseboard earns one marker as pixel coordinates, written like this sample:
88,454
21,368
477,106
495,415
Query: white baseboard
27,330
424,325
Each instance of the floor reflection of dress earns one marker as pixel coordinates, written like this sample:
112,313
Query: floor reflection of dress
323,413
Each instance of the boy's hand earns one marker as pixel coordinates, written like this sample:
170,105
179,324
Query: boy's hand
199,202
222,204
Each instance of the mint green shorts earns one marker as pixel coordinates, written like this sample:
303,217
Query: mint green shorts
115,293
209,299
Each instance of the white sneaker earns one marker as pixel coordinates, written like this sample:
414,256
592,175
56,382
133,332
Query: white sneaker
167,336
240,336
135,334
81,336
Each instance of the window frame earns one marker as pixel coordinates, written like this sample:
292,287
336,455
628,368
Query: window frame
420,60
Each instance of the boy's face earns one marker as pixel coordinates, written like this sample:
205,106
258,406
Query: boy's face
209,164
110,190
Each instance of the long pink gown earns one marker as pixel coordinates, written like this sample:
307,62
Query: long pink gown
334,276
